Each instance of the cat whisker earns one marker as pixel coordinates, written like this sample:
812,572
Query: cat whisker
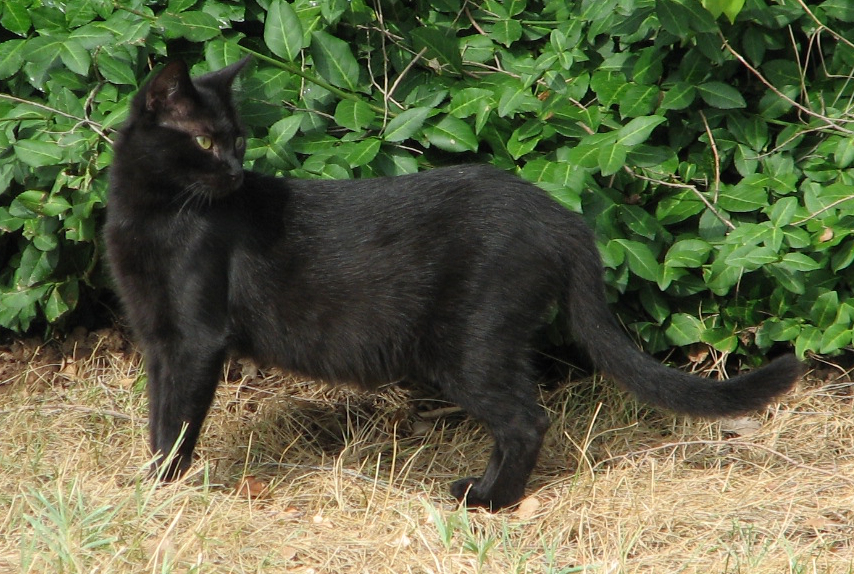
190,194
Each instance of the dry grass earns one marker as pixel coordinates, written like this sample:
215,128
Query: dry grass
347,482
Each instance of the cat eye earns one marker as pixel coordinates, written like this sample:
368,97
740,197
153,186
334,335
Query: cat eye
239,142
204,142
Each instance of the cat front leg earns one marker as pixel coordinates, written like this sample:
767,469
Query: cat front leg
181,386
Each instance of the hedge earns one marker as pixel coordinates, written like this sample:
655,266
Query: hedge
708,143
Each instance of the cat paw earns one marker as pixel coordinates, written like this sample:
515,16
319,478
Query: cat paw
469,492
465,490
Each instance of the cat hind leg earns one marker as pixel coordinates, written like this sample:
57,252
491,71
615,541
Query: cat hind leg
518,424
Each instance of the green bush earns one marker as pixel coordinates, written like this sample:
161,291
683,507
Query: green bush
709,143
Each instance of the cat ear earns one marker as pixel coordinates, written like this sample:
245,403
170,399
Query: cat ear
171,90
225,76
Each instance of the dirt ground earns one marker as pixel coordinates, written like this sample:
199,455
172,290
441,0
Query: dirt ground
296,476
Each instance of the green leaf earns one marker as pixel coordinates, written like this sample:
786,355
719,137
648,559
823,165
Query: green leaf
515,98
690,253
825,309
11,57
505,31
783,211
334,61
36,265
742,197
177,6
809,340
781,330
451,134
440,45
609,86
800,262
75,57
640,258
679,97
611,158
678,207
220,53
835,338
843,257
470,101
684,329
787,278
648,67
638,101
721,338
721,96
840,9
843,155
395,161
198,26
15,18
680,17
354,115
115,70
638,130
62,299
8,222
37,153
730,8
406,124
673,17
360,153
522,142
54,205
751,257
44,50
283,131
640,222
283,31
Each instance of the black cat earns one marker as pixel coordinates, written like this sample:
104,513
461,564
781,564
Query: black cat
442,277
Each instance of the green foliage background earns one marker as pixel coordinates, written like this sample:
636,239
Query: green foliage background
709,143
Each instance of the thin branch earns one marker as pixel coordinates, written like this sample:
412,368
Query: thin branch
474,23
343,94
403,73
780,94
717,185
822,26
96,127
696,191
823,209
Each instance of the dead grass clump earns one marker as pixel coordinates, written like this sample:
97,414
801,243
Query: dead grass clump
294,476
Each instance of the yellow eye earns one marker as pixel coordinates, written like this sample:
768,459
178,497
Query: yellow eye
239,142
204,142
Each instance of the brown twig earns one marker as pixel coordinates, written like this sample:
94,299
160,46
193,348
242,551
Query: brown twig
696,191
822,26
717,183
96,127
830,122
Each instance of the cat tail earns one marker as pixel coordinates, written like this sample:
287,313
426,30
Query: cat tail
594,327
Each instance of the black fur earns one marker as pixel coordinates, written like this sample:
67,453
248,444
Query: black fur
442,277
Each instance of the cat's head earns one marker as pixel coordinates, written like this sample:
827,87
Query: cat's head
189,132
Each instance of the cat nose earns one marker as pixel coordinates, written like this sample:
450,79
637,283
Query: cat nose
235,176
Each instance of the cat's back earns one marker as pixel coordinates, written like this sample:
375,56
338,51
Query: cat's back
472,194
